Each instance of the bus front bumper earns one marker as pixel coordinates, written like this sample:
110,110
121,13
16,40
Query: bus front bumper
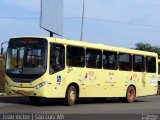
25,91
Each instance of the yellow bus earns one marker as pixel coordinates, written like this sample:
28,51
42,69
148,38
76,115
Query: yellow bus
158,92
45,67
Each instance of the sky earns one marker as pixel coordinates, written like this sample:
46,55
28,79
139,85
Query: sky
121,23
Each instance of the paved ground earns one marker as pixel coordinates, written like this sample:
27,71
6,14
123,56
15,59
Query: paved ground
143,105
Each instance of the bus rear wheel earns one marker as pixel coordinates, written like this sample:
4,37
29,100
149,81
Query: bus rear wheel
71,96
130,95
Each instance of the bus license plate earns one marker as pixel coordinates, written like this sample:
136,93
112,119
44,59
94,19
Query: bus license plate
20,92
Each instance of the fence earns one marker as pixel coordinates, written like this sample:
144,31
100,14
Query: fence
2,65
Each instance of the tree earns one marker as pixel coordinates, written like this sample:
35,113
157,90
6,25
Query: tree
150,48
147,47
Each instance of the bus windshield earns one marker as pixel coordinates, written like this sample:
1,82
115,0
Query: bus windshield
26,61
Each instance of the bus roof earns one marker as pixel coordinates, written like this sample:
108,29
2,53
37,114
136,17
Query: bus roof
93,45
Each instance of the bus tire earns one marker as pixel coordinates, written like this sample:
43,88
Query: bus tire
130,94
71,95
34,100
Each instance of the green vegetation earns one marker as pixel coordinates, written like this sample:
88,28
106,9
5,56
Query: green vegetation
147,47
150,48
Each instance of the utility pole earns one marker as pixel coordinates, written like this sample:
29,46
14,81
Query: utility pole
2,46
82,25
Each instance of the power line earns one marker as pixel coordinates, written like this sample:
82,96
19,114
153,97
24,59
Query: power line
123,22
20,18
86,18
114,21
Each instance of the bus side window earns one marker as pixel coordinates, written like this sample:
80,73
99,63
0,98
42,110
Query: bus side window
125,62
110,60
93,58
57,58
138,63
75,56
151,64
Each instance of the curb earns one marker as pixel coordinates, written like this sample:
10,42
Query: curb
2,94
5,95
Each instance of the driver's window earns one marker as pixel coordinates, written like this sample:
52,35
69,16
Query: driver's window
15,58
57,58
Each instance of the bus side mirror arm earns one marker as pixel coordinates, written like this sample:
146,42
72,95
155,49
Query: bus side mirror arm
2,49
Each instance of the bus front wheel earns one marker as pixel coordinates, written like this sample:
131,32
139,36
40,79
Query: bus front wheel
71,95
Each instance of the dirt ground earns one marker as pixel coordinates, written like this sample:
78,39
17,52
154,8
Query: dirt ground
2,65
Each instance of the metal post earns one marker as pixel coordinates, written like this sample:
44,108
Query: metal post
82,26
51,34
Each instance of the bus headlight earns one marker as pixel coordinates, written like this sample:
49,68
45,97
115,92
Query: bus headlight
40,85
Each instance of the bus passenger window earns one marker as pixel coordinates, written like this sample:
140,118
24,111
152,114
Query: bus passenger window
151,64
93,58
125,63
57,58
138,63
109,60
75,56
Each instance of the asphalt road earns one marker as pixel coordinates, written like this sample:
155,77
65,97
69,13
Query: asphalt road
111,107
